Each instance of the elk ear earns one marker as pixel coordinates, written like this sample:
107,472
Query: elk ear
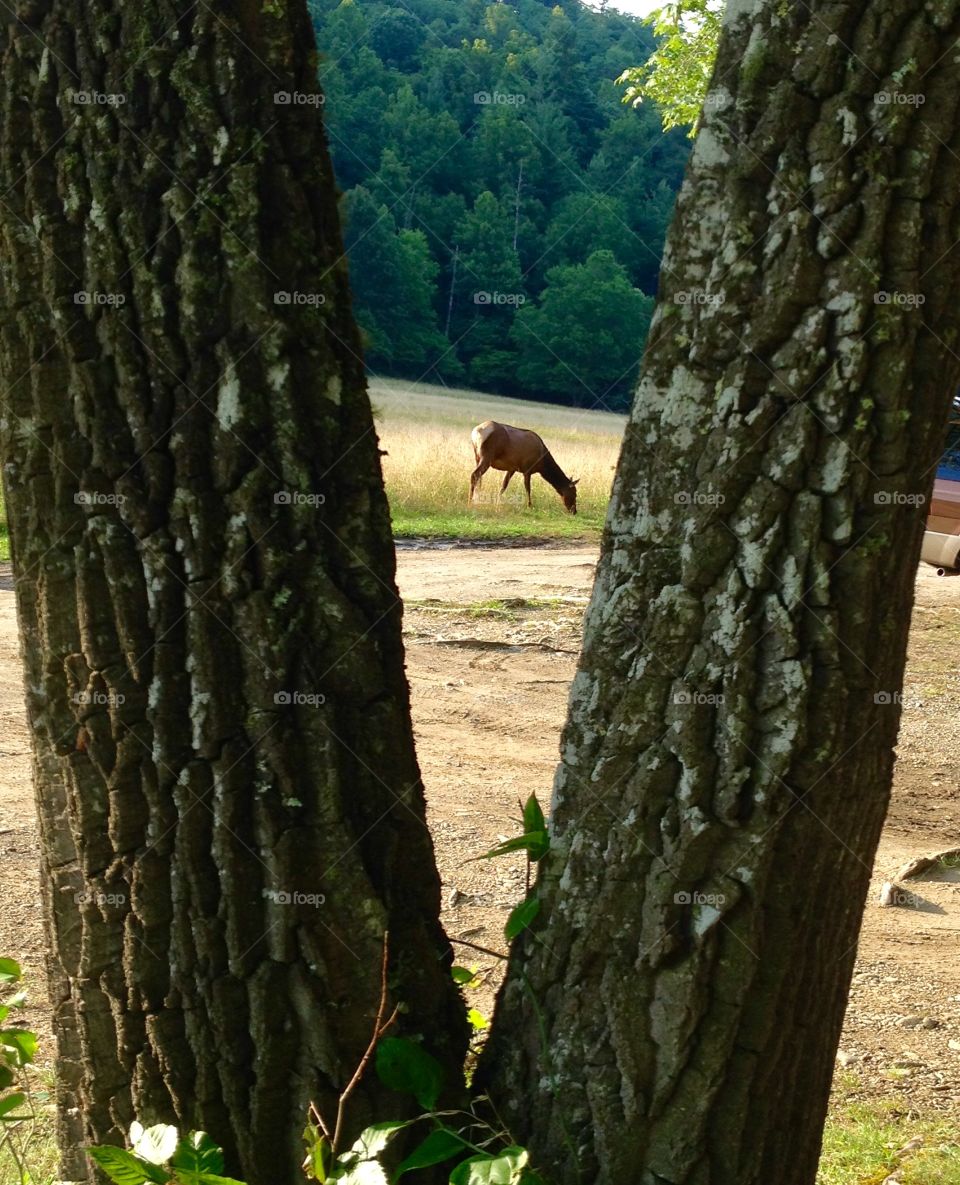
574,480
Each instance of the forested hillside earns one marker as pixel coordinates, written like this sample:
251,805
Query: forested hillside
504,211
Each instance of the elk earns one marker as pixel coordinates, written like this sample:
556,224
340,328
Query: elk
518,450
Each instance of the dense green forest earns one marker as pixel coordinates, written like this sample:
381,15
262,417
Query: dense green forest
504,210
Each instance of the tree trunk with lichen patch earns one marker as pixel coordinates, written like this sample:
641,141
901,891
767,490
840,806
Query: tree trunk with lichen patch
673,1014
231,810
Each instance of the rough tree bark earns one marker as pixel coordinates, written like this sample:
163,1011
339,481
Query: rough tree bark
204,573
674,1013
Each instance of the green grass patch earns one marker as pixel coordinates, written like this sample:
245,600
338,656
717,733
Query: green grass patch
425,432
861,1141
513,609
35,1144
483,522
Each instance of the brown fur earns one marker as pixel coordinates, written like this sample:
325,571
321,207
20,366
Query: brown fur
518,450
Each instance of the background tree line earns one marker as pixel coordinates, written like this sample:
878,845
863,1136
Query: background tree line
504,211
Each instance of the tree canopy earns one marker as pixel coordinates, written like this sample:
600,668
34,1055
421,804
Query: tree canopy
485,152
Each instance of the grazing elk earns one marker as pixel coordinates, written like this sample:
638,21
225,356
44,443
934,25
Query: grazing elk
518,450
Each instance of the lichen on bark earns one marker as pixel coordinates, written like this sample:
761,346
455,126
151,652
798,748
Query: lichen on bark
205,584
673,1013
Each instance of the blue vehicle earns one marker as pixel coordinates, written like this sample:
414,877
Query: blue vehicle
941,539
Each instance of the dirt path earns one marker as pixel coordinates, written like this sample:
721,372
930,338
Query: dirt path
492,635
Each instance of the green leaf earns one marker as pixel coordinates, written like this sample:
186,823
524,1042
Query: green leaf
521,917
198,1153
126,1169
319,1158
477,1019
439,1146
533,819
364,1172
7,1076
154,1144
205,1179
462,975
372,1140
405,1066
10,1102
503,1169
20,1043
9,971
537,843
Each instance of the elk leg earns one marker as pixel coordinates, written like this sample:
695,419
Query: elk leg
475,477
506,480
526,486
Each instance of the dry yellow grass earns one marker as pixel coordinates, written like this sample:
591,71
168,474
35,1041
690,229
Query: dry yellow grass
426,432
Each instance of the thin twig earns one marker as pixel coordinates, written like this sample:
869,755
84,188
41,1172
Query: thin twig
379,1028
485,949
315,1113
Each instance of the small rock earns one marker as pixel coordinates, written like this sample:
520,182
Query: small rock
454,898
910,1022
844,1058
955,1045
913,1145
930,1022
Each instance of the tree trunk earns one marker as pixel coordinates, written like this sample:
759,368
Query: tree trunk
674,1012
231,810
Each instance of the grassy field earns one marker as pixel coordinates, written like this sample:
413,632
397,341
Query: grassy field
864,1143
426,433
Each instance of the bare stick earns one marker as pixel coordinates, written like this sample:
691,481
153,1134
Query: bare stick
315,1114
485,949
379,1028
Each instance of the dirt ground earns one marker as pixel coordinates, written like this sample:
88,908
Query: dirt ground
492,637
